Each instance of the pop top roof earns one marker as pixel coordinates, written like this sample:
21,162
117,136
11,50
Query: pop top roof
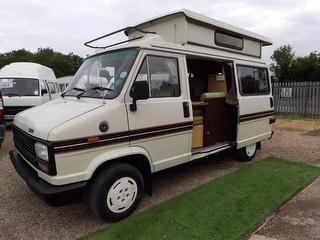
214,23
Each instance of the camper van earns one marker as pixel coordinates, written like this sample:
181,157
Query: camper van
24,85
181,87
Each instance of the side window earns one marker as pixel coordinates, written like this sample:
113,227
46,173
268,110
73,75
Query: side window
143,72
43,85
164,79
253,80
162,76
57,87
51,88
229,41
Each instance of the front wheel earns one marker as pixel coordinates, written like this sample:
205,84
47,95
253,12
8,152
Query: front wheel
247,153
116,192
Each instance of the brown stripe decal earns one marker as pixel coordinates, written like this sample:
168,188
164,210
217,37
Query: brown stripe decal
82,143
253,116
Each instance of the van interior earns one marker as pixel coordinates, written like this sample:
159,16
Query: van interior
215,121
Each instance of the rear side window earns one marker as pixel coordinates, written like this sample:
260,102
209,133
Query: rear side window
253,80
162,76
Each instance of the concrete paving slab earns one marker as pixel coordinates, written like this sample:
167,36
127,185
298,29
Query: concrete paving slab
298,219
260,237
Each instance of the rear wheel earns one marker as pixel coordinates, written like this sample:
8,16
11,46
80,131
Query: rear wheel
247,153
116,192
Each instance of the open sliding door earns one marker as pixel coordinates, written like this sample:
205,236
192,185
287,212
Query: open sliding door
255,103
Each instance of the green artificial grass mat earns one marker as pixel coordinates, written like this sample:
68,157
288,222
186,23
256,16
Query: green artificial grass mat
229,207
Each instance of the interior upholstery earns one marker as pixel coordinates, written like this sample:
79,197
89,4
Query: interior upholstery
210,95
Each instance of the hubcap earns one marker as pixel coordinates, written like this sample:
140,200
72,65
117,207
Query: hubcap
251,149
122,194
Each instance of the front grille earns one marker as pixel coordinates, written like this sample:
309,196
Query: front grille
25,145
9,110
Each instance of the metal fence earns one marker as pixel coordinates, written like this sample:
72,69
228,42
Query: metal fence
301,98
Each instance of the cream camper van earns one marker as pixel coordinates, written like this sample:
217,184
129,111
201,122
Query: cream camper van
24,85
181,87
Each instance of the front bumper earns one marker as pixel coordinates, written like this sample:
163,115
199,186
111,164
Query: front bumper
53,195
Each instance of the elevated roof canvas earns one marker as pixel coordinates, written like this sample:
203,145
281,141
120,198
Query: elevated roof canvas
213,22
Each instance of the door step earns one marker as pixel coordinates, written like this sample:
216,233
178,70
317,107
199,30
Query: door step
210,148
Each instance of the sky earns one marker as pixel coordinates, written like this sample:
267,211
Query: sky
65,25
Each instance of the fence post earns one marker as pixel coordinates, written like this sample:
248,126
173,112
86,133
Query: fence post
305,95
312,98
280,99
309,106
291,97
294,97
302,98
317,95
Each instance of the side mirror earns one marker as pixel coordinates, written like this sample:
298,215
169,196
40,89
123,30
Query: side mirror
139,91
44,91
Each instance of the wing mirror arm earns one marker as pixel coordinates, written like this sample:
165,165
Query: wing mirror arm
133,105
140,91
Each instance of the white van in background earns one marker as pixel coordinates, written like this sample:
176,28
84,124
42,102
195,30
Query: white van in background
24,85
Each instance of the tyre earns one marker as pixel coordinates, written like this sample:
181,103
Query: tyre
247,153
116,192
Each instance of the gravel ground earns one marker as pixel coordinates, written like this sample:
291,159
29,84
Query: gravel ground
296,140
25,216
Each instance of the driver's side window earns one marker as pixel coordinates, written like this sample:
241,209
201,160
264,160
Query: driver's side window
162,76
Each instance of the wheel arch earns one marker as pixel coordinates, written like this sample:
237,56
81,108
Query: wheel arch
137,158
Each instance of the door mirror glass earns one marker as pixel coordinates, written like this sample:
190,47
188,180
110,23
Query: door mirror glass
44,91
43,88
139,91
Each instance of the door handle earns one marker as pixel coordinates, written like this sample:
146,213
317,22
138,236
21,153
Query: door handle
271,102
186,109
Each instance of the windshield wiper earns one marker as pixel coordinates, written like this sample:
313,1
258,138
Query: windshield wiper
13,94
74,88
94,88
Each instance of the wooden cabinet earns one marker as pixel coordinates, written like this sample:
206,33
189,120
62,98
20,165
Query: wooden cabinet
215,122
197,136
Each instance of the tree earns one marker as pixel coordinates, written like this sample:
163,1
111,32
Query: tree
283,58
306,68
288,68
62,64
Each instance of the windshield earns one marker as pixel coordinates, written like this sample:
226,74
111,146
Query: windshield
19,87
102,75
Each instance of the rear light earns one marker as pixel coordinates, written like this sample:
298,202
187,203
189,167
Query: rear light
1,107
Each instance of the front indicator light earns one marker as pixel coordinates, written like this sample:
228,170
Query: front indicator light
43,167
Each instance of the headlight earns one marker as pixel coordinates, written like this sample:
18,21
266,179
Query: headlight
41,151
